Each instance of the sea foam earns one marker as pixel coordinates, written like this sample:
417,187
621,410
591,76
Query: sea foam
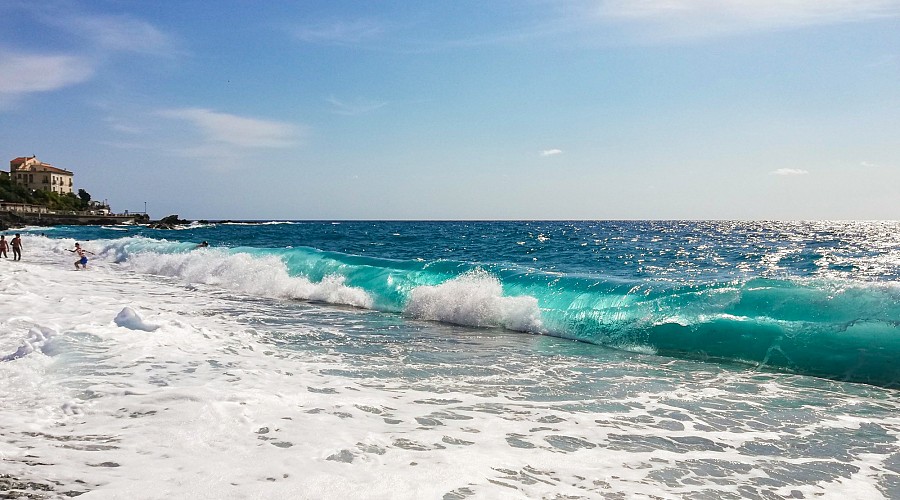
37,340
475,299
128,318
259,275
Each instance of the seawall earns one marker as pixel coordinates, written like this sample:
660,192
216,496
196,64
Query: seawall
9,219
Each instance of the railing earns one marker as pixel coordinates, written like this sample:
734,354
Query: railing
42,210
23,207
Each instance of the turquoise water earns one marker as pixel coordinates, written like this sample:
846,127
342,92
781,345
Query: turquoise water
814,298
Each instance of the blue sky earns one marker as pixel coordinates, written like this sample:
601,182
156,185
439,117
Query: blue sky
527,109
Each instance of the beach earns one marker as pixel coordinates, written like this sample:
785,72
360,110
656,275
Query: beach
117,383
569,250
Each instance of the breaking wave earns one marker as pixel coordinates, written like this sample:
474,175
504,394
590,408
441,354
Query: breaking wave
837,329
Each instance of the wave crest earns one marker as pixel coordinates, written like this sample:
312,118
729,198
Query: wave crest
265,276
475,299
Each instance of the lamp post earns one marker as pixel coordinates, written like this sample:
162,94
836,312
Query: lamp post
145,208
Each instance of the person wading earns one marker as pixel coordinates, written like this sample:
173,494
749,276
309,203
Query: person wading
82,260
17,247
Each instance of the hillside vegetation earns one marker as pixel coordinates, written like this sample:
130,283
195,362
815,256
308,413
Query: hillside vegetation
10,192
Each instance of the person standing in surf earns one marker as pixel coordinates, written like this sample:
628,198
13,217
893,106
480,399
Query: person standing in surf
17,247
4,246
82,260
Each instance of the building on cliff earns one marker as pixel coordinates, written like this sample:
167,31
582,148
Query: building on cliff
35,174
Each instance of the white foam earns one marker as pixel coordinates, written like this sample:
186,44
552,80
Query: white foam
260,223
637,348
128,318
475,299
36,341
263,276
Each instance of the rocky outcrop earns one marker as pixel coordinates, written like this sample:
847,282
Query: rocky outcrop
10,220
169,222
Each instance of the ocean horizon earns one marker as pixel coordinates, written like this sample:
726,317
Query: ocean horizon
453,359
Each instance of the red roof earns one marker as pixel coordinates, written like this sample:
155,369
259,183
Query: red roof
39,167
50,168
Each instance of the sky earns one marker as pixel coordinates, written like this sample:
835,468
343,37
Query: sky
486,109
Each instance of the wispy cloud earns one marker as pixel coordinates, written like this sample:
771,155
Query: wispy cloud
357,107
705,18
98,33
592,22
340,32
789,171
238,131
424,29
91,41
872,164
118,33
551,152
22,74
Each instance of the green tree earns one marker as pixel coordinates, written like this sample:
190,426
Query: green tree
13,192
85,197
40,196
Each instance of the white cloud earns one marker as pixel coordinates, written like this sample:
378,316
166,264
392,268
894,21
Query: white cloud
24,74
90,41
551,152
118,33
704,18
340,32
608,21
789,171
357,107
97,32
237,130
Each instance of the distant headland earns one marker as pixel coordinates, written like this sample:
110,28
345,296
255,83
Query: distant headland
39,194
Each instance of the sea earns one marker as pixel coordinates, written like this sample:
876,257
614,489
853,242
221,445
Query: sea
453,360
